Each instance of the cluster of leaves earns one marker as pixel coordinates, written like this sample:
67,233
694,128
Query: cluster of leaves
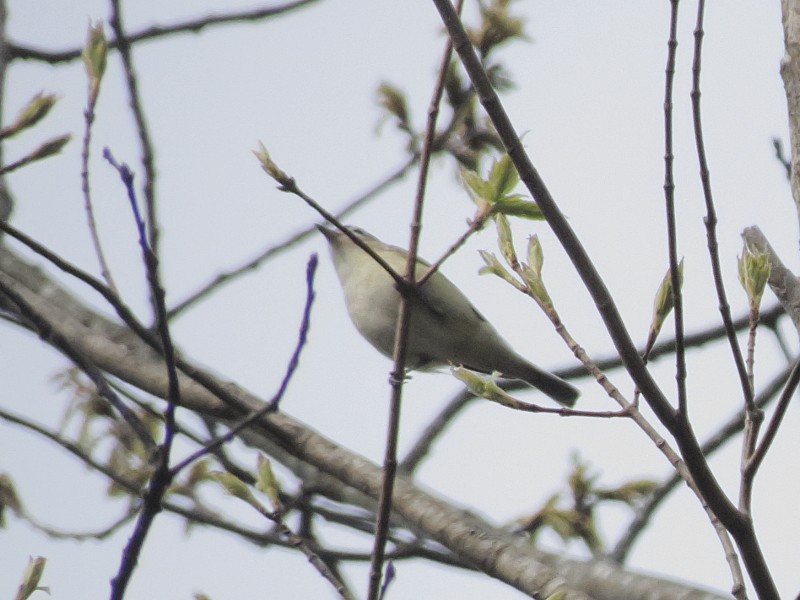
467,135
32,113
572,514
495,195
99,426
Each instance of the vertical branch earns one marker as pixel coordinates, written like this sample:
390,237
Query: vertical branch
162,476
6,203
669,197
148,159
94,71
401,336
711,213
790,72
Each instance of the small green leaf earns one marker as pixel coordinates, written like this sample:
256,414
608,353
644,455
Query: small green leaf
269,166
34,111
503,177
94,54
267,484
754,271
536,285
665,299
483,386
515,206
505,240
394,102
476,187
31,578
235,487
494,267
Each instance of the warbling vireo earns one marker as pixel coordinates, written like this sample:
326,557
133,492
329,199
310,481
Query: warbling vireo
445,328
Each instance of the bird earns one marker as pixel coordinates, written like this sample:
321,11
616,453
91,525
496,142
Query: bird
445,329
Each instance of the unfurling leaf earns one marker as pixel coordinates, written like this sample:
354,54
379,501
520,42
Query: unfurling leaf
235,487
505,240
269,166
516,206
34,111
754,271
31,577
94,55
665,300
503,176
267,484
483,386
494,267
394,102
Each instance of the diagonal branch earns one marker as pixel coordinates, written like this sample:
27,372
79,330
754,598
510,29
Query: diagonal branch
16,51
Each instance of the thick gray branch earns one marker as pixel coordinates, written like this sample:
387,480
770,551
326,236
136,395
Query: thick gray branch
790,71
334,470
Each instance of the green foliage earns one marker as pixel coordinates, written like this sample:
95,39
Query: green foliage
572,514
393,101
497,27
94,56
8,497
754,271
31,577
267,484
665,299
34,111
495,195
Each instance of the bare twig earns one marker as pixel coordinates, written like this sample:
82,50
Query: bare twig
401,336
277,249
162,477
711,213
669,197
273,404
153,33
751,467
148,157
724,434
94,77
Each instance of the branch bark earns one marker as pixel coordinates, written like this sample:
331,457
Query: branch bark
336,472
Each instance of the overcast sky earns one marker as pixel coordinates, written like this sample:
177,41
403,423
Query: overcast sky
589,97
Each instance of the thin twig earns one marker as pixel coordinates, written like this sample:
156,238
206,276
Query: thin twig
161,478
474,225
724,434
401,336
40,325
772,429
754,417
711,213
669,197
89,114
272,251
16,51
273,404
148,156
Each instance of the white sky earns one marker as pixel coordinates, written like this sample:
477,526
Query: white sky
589,96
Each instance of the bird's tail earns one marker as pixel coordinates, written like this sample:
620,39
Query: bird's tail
555,387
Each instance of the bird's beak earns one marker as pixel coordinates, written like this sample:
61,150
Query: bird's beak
330,234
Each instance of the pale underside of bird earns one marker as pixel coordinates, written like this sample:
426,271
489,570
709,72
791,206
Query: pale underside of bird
446,329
